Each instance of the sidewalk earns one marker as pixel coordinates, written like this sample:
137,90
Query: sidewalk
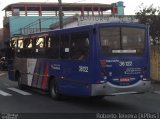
3,73
155,85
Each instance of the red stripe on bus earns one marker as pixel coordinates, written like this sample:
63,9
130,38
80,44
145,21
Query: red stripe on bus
44,81
34,78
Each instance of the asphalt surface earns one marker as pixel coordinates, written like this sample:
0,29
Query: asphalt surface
40,104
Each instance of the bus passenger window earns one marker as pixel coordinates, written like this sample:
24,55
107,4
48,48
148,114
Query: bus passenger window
79,46
82,55
53,45
40,43
20,47
64,47
28,43
48,42
20,43
28,48
13,43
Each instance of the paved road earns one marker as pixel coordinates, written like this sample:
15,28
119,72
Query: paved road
13,100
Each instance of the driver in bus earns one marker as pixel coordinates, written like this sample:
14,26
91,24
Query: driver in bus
82,55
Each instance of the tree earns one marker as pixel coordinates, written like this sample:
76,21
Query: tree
151,16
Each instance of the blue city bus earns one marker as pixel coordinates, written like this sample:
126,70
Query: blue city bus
93,60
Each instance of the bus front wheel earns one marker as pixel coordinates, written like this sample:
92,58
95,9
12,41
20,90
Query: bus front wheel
53,90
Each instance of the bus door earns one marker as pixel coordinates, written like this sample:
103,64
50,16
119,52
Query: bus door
10,55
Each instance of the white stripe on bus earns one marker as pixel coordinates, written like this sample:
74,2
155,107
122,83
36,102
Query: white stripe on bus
19,91
31,65
4,93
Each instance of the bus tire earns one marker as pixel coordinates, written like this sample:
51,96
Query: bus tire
19,79
53,90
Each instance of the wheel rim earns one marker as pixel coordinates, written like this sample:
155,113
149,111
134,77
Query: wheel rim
53,89
53,92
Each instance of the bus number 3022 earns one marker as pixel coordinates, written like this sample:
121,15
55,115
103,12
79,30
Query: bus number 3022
83,69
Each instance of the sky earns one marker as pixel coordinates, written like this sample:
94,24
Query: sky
131,6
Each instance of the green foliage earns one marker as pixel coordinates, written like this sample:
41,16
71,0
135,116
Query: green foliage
151,16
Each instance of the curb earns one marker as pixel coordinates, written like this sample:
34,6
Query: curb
155,81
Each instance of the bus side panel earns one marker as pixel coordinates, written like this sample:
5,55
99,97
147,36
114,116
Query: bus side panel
77,74
31,71
94,58
37,73
21,67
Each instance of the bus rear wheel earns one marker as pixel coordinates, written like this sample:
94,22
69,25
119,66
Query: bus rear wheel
19,79
53,90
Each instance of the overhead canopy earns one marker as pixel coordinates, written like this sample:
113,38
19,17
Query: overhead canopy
45,6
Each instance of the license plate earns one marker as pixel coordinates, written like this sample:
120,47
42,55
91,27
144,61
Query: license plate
124,79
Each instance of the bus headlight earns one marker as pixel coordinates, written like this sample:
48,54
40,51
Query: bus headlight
105,77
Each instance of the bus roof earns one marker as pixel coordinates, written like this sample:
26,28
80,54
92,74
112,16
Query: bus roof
86,27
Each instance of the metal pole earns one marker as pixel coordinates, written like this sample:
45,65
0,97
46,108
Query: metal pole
40,28
60,14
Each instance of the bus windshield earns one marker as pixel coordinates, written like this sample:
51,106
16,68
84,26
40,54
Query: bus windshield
126,40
